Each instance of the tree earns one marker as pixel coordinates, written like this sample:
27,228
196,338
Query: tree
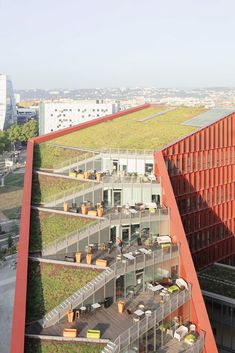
4,141
14,134
9,241
29,130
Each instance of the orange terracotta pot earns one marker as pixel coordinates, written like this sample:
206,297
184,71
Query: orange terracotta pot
70,316
88,259
78,257
84,210
121,306
66,207
100,211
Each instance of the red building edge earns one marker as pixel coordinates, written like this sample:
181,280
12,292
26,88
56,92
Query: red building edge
198,310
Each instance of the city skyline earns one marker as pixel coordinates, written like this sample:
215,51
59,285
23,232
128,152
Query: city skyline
79,45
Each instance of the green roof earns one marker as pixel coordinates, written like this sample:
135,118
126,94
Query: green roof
128,132
218,279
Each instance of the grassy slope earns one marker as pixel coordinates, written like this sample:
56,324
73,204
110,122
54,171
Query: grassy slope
46,227
11,194
49,285
49,157
36,346
127,132
45,187
213,285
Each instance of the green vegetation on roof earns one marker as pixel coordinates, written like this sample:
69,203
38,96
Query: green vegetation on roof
45,346
49,285
218,279
50,157
47,227
11,195
46,188
127,132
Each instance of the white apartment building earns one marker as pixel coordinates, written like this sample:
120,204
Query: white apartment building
7,103
58,115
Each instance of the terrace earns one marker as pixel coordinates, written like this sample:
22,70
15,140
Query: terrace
50,284
111,322
218,279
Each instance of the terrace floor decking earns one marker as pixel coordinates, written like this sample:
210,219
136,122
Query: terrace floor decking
107,320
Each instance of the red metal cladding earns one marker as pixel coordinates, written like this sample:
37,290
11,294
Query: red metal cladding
197,307
18,323
202,173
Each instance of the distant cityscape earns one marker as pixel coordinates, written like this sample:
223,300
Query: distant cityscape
128,97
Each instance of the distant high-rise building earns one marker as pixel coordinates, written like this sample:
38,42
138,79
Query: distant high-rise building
7,103
54,116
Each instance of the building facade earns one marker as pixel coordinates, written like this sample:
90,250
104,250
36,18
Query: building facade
55,116
7,103
159,216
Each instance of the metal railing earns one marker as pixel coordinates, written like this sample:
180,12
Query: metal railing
141,327
118,268
122,151
76,298
84,188
111,219
132,179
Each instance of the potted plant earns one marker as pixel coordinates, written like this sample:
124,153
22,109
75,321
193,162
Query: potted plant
121,306
70,315
78,256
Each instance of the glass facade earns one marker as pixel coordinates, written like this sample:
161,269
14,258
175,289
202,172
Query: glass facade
7,103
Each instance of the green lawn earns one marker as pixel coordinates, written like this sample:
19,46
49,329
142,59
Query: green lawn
49,157
37,346
45,188
40,346
46,227
128,132
49,285
11,195
12,213
13,182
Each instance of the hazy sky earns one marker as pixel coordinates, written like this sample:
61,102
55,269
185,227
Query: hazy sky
109,43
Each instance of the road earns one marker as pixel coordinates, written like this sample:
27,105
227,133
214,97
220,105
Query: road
7,290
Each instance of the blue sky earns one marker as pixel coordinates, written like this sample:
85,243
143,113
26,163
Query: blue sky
110,43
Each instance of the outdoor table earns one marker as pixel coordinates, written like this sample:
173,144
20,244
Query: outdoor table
156,288
96,305
144,251
139,312
141,306
129,256
133,211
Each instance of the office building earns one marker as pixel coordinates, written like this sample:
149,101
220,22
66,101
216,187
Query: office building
7,103
55,116
118,215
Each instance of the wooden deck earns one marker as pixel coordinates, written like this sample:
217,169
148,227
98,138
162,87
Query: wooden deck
107,320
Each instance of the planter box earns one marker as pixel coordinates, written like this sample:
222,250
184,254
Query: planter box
93,334
73,174
101,262
92,213
70,332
